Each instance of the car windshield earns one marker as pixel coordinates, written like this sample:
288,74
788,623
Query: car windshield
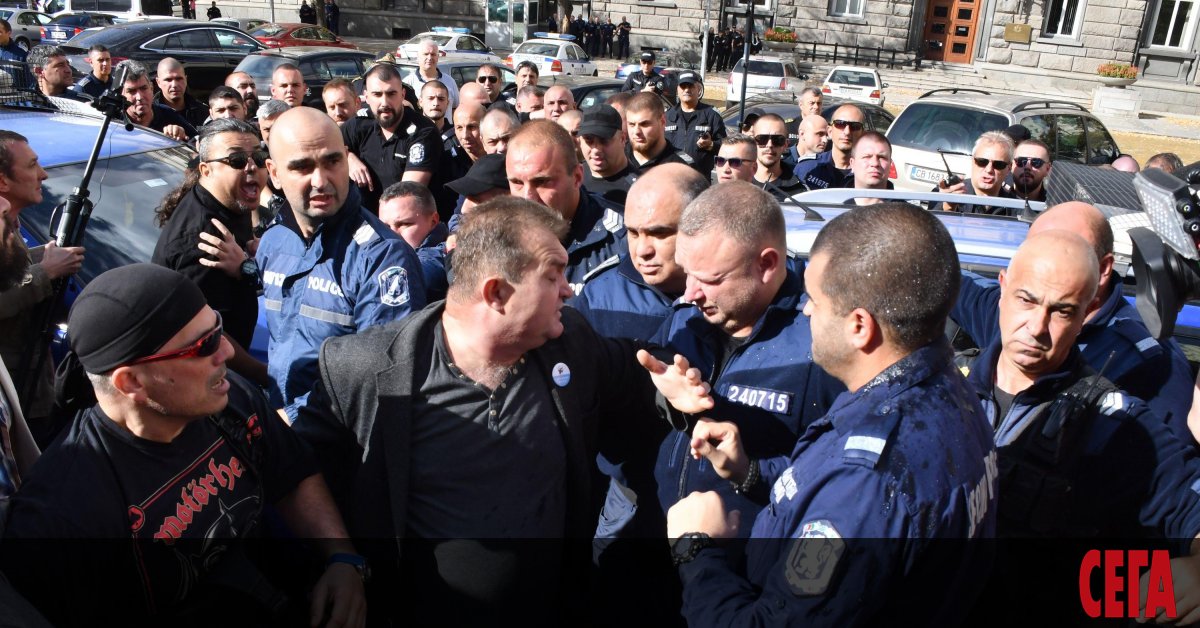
268,30
262,66
440,40
4,15
931,126
125,191
534,48
761,68
857,79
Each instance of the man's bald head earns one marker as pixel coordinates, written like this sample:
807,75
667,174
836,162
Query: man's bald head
310,165
473,93
1067,253
168,64
656,201
813,122
1079,218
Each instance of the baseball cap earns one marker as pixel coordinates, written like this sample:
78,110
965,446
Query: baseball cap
485,174
601,121
690,77
752,115
1018,133
648,56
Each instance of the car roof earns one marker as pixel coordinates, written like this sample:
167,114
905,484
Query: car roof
298,52
1000,103
53,151
573,80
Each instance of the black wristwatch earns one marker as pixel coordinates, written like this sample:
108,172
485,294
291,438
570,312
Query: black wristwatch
359,564
250,269
687,546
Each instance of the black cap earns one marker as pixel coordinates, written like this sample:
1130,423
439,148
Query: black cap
601,121
1018,133
752,115
690,77
130,312
648,56
485,174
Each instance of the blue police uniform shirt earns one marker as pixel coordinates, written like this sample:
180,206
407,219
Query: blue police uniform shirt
1157,372
620,304
432,254
1133,477
355,273
91,86
769,386
820,173
869,517
596,235
12,52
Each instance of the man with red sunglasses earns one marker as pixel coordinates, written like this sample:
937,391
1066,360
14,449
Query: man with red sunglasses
174,464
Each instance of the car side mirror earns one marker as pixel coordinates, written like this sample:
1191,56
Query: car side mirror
884,86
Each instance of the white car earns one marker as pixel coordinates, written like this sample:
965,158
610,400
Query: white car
554,54
765,73
855,83
450,41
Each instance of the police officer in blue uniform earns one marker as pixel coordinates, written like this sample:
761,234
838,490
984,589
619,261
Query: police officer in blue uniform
1113,339
695,127
542,167
831,169
330,267
745,333
905,455
644,77
1077,456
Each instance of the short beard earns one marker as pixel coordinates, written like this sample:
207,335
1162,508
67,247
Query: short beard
14,261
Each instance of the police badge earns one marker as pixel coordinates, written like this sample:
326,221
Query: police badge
811,563
393,286
416,155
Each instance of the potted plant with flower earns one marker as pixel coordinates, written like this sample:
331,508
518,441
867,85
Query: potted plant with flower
780,38
1117,74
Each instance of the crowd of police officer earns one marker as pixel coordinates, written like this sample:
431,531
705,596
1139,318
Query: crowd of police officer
812,443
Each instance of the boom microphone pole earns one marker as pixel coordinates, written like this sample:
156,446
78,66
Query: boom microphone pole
73,217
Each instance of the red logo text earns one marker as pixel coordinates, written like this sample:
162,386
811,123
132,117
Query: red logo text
1121,571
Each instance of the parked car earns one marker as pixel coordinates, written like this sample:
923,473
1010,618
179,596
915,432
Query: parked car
765,73
26,26
855,83
457,41
463,70
67,25
668,65
785,105
245,24
554,54
318,65
284,35
590,91
952,119
208,51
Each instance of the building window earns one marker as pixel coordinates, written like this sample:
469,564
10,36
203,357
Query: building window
1172,25
1063,18
846,8
760,6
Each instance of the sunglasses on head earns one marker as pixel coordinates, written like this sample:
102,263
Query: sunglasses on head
202,348
1036,162
488,79
734,162
842,124
776,140
996,163
238,161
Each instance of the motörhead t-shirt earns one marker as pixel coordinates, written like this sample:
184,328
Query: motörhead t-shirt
177,506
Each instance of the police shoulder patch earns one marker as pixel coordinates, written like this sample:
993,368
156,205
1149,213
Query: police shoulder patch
687,159
365,234
813,558
416,154
393,286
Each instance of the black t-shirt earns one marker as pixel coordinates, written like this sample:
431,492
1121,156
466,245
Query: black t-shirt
235,299
110,526
614,187
415,145
1004,402
668,155
453,164
165,116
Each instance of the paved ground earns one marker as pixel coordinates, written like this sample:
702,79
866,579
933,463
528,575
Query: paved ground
1141,137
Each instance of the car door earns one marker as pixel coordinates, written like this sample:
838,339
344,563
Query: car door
571,62
585,65
29,25
1101,148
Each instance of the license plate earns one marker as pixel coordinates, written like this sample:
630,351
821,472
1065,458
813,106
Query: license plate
57,35
918,173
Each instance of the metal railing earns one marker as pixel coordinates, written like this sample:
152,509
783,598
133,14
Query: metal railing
856,55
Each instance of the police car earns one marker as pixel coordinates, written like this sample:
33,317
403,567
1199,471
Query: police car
554,53
456,41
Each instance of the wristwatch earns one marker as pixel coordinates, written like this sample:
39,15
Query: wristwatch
688,545
250,269
359,564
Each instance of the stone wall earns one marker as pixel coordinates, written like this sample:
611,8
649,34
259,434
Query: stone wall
885,24
1109,33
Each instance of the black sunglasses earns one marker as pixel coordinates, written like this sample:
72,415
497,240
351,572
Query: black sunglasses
1036,162
202,348
238,161
777,140
488,79
996,163
734,162
854,126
